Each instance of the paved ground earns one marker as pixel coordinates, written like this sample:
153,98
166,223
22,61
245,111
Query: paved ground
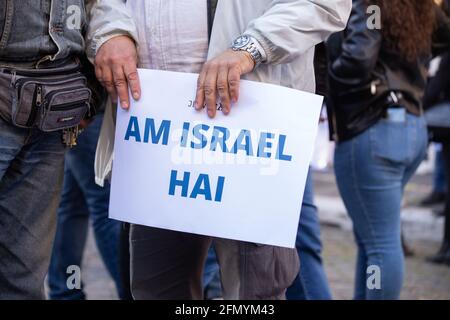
421,228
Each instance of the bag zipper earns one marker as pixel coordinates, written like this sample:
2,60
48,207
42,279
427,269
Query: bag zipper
38,96
44,72
37,103
23,81
49,97
68,106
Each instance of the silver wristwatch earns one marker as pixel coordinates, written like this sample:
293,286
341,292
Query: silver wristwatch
247,43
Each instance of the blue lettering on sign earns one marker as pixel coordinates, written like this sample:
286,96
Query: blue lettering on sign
280,152
133,130
197,137
201,139
184,184
220,137
184,136
265,145
150,132
163,131
244,142
202,186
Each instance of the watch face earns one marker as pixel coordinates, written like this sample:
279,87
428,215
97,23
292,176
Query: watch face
241,42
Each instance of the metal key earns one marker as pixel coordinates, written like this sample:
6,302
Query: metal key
69,136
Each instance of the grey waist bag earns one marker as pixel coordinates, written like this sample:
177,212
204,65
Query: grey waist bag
49,99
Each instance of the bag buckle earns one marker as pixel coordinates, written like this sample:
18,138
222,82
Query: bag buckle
394,97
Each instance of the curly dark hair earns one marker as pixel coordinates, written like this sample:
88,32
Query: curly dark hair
407,26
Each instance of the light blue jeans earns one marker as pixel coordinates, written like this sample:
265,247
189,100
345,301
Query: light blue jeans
311,282
372,170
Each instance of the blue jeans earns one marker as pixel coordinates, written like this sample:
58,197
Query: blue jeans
82,199
31,175
372,170
211,276
311,282
439,174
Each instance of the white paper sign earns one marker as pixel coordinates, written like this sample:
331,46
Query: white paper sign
238,177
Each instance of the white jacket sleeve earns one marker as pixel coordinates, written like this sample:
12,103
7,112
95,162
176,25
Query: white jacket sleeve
108,19
289,28
105,147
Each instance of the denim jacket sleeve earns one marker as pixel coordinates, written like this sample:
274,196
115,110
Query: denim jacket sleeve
107,19
289,28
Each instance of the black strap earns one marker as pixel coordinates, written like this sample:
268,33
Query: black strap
212,6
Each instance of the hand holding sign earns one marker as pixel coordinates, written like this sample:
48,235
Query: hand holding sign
115,68
220,78
238,177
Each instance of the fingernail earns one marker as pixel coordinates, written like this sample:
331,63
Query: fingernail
196,106
136,95
124,104
211,114
226,111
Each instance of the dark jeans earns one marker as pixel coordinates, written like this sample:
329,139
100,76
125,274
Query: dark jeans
31,175
439,174
82,199
211,276
446,160
443,134
169,265
311,283
124,261
372,170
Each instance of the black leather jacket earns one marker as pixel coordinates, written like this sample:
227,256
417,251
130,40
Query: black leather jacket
438,88
363,72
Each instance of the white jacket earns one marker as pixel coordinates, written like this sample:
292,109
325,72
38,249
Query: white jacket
287,30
